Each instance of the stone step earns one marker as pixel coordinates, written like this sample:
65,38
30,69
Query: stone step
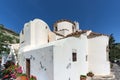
111,77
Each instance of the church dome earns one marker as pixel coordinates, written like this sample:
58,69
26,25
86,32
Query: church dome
64,27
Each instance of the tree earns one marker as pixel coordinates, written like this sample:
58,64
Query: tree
111,42
111,47
114,49
3,44
5,40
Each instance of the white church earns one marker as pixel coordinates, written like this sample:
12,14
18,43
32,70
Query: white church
62,54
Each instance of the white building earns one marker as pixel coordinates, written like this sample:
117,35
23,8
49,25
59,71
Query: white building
64,54
13,53
12,56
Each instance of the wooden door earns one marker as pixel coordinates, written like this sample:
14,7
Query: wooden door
28,67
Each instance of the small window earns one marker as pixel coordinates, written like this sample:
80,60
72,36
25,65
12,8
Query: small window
56,29
74,56
72,28
46,27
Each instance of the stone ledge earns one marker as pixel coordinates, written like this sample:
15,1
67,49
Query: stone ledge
108,77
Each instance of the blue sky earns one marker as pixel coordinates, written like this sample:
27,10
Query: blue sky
101,16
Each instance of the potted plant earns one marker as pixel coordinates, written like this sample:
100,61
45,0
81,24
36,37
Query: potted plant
22,78
33,77
83,77
90,74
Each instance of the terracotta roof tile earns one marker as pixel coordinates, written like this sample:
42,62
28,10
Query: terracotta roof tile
78,33
91,35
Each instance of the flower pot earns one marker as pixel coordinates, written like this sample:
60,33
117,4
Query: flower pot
90,74
82,78
22,78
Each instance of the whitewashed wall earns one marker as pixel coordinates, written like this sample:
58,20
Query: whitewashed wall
57,61
22,38
58,37
35,33
98,62
27,34
64,67
52,36
41,61
40,33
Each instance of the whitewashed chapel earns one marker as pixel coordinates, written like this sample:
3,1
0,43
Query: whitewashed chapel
64,54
